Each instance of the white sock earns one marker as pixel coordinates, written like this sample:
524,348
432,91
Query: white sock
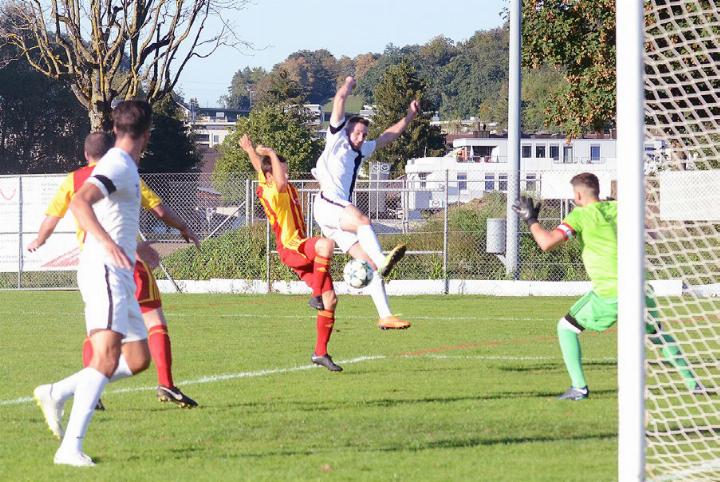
88,390
122,370
379,297
369,242
65,388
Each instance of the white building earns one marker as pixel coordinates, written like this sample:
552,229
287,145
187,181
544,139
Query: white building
477,166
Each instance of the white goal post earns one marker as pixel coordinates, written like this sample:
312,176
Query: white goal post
668,92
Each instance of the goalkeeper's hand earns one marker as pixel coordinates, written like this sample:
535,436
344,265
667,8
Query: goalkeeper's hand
527,210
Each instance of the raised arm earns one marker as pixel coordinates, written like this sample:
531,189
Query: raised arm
277,171
46,229
81,207
394,131
165,214
338,110
246,145
528,211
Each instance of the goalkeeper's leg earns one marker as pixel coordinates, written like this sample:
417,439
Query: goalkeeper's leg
672,354
571,352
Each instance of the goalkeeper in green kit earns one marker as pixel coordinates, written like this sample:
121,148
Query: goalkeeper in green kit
594,224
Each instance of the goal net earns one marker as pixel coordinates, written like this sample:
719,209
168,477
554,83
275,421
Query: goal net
682,189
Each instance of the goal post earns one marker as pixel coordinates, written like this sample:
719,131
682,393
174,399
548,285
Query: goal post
668,119
631,208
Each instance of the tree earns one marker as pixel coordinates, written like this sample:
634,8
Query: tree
243,87
171,147
398,87
278,89
579,38
315,71
273,126
538,87
104,50
42,127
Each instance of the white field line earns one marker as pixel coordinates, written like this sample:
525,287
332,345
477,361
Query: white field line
350,361
170,315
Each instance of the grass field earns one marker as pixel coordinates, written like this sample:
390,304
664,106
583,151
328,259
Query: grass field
468,393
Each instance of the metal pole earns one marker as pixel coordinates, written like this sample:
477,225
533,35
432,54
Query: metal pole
514,131
446,285
20,232
248,199
631,248
267,254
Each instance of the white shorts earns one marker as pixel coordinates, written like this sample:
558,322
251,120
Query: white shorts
327,213
109,296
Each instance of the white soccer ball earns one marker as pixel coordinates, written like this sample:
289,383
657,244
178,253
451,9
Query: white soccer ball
358,273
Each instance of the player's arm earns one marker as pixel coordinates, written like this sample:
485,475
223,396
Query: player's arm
394,131
528,212
55,212
278,178
165,214
47,227
338,111
81,207
247,146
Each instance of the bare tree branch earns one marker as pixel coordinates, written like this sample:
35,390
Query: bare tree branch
109,48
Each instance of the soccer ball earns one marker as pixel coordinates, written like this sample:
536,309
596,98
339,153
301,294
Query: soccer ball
358,273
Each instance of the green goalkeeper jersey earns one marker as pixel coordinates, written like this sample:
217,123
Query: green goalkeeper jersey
595,226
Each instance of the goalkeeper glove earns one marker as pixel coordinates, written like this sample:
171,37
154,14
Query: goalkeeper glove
527,210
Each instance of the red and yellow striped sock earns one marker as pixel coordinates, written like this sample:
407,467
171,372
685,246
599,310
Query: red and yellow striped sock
325,322
321,270
159,344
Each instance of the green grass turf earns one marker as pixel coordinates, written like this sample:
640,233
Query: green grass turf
468,393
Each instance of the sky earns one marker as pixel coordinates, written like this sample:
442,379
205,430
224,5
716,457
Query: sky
277,28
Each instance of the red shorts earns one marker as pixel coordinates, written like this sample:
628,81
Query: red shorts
146,289
301,262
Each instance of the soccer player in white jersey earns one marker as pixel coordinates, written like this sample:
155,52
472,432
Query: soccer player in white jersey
107,208
345,149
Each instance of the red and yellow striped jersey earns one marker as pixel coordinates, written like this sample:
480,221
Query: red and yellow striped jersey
73,182
284,213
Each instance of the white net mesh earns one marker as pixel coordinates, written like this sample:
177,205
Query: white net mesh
682,109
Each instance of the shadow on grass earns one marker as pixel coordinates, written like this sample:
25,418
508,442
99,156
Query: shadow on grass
555,366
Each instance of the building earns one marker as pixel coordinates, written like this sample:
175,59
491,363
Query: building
476,166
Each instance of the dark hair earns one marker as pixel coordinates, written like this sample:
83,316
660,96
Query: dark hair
356,119
266,164
132,118
589,180
97,144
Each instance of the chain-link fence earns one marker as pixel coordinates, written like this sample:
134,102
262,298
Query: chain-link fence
443,219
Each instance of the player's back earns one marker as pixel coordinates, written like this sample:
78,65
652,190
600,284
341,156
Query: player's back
284,213
116,175
596,224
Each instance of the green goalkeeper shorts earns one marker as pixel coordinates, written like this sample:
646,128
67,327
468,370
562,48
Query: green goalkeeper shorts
592,312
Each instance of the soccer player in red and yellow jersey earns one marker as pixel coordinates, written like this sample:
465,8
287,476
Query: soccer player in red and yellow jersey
309,258
146,289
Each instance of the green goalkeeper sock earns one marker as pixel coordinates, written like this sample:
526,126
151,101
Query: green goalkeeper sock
672,354
570,347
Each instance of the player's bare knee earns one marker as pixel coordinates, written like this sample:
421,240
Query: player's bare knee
324,247
362,220
137,356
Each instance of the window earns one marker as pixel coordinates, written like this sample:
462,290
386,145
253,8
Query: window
502,182
462,181
526,152
555,152
489,182
540,152
216,139
423,179
530,183
595,153
567,154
